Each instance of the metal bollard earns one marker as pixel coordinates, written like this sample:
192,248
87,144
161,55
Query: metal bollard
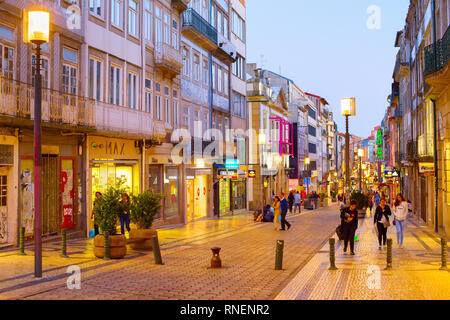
22,242
64,244
332,255
389,255
444,253
216,263
279,255
156,250
107,255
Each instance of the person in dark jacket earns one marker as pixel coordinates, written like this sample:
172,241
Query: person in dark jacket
349,217
381,211
125,213
284,209
291,201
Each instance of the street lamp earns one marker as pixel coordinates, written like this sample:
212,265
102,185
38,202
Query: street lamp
37,32
348,108
360,155
307,162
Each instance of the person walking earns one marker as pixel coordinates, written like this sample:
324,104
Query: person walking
291,200
400,214
98,197
276,212
381,219
349,217
297,201
125,213
284,208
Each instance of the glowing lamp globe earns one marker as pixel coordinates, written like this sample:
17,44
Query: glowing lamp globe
348,106
38,26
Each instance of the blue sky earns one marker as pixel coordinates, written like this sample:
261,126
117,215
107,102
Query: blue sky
326,47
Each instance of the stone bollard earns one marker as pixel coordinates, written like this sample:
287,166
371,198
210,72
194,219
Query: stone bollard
389,255
156,250
279,255
216,263
107,255
444,253
64,244
332,255
22,241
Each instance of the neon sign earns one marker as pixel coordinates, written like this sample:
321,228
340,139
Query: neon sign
380,144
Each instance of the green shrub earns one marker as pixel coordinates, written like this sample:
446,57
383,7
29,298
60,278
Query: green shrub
360,198
107,209
144,208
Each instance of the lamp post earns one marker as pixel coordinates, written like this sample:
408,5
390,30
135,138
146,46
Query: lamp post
348,109
360,156
38,25
307,162
262,143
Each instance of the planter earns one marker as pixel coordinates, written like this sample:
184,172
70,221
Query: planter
142,234
117,243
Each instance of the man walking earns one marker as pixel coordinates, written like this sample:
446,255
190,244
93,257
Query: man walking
284,209
349,217
297,200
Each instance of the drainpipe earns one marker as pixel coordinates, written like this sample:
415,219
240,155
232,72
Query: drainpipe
436,171
19,187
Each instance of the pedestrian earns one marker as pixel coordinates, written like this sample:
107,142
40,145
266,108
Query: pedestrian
284,208
377,199
349,217
381,219
276,212
291,200
125,213
339,199
98,196
297,201
400,214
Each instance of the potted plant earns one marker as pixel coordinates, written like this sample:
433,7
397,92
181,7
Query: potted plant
361,200
322,197
106,212
333,196
144,207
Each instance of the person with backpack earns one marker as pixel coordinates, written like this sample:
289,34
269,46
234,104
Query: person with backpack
349,218
381,219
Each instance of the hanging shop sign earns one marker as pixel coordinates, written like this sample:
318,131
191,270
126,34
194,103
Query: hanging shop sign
426,167
228,174
380,144
232,164
251,173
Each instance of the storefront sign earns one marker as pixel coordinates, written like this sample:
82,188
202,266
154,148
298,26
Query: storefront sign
228,174
380,144
101,147
251,173
232,164
426,167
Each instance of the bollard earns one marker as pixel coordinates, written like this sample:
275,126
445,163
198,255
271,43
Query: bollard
107,255
389,254
279,255
156,250
444,253
64,243
22,241
332,254
216,263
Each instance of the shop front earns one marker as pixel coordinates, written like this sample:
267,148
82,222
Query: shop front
112,161
198,193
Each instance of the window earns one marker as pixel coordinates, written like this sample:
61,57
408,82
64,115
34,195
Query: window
238,26
148,20
205,72
166,29
312,113
175,34
158,87
158,24
166,91
132,18
238,67
239,104
185,62
205,10
69,79
158,115
312,131
95,74
196,67
225,83
132,90
6,61
116,13
114,85
219,22
167,110
175,112
44,71
148,101
186,116
175,94
219,79
214,80
70,55
312,148
95,7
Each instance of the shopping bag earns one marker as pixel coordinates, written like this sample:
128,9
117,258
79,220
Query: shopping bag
356,239
368,212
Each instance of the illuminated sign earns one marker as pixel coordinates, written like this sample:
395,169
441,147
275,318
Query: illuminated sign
251,173
426,167
232,164
380,144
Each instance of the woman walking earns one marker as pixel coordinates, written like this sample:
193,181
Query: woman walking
125,214
400,214
381,218
277,211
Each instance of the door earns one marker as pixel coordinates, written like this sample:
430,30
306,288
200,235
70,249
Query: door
50,195
190,200
200,197
3,206
423,199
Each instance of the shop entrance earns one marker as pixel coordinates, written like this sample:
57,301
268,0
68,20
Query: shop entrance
50,194
3,205
197,198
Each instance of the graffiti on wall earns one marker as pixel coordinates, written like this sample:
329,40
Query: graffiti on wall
27,201
3,225
67,197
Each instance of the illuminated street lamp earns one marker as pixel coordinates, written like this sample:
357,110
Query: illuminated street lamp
37,30
348,108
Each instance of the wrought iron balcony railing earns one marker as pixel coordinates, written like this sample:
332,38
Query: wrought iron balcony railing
197,27
437,56
17,100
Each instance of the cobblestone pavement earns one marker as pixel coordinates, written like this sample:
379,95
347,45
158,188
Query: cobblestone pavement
415,274
248,253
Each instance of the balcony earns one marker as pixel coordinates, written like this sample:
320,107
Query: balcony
198,30
58,108
180,5
411,151
259,89
437,68
398,113
168,60
226,51
425,147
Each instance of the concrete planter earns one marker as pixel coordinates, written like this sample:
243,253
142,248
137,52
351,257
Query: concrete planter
117,243
142,234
